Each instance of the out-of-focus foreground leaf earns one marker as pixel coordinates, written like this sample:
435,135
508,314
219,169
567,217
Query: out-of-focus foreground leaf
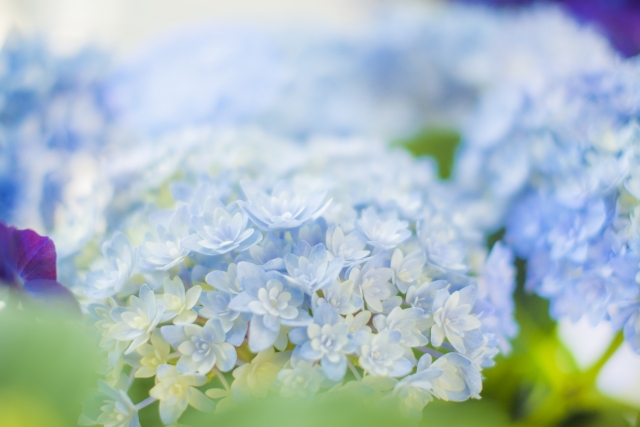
47,367
343,412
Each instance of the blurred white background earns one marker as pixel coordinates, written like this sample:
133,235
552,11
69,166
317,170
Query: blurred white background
121,24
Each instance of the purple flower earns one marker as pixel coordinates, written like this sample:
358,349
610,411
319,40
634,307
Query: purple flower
28,264
619,20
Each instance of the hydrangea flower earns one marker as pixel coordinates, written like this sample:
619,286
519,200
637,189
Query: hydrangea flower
311,268
452,318
177,303
373,283
217,232
113,409
120,259
177,391
349,247
216,305
284,209
271,302
384,232
202,347
258,376
315,304
136,322
382,355
153,355
327,340
168,250
301,380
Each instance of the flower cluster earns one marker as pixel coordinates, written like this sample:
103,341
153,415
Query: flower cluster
339,265
564,168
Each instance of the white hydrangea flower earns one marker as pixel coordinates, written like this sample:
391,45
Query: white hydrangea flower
381,354
341,296
225,281
177,391
460,379
409,322
258,376
358,322
382,231
178,303
284,209
407,269
312,268
453,319
327,340
164,250
120,260
350,247
202,347
218,232
114,348
153,355
116,409
302,380
137,322
373,283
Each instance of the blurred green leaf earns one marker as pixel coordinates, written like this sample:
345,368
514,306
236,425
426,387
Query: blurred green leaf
595,419
343,412
475,413
47,367
436,142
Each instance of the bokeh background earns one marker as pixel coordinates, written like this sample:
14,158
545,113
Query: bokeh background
558,373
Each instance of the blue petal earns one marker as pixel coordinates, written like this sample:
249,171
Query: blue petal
260,337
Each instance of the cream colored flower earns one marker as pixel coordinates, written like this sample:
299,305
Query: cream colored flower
153,355
256,378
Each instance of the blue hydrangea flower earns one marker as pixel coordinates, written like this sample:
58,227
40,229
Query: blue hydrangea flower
460,380
384,231
217,232
165,250
270,301
202,347
284,209
326,339
121,261
350,247
311,268
270,253
382,354
215,304
495,285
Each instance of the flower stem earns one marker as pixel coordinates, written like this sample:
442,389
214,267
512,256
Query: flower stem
148,401
434,353
593,371
132,377
223,380
354,370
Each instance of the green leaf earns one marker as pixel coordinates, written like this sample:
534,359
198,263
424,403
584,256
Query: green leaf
436,142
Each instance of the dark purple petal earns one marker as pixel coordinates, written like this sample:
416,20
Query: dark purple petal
619,20
49,291
26,254
7,270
